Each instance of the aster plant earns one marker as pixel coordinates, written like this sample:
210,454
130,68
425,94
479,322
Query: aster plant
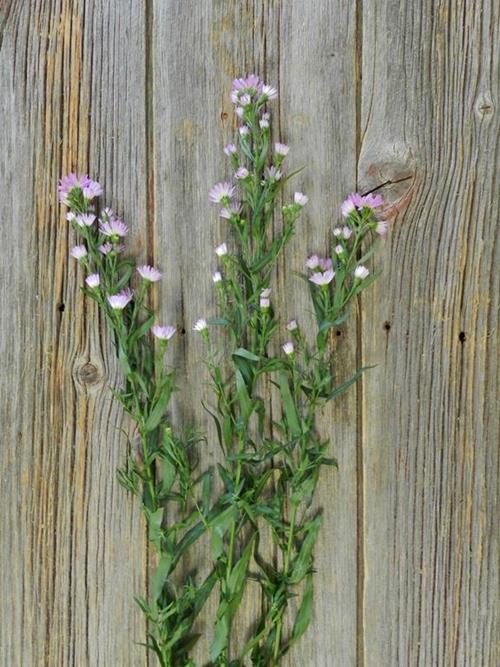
271,467
159,468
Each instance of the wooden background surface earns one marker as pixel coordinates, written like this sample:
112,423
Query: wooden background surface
400,95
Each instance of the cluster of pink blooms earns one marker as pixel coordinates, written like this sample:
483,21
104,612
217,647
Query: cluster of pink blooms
356,202
71,188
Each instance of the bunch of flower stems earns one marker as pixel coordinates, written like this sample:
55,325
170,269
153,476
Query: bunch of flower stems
270,467
159,467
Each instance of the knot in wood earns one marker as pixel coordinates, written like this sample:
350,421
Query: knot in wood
88,373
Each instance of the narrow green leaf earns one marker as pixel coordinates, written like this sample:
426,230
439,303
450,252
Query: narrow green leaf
161,575
303,562
345,385
303,617
292,417
159,408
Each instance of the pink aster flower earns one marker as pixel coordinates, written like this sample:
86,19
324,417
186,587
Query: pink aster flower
292,325
217,277
300,198
325,264
245,99
70,216
105,248
248,85
242,173
85,220
222,192
361,272
231,211
337,232
149,273
121,300
230,149
240,112
263,124
322,278
356,201
273,173
93,280
221,250
264,302
346,232
200,325
269,92
163,333
72,182
79,252
312,262
281,149
288,348
339,249
382,227
244,131
114,227
91,190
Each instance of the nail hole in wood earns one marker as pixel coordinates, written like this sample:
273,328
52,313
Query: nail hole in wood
223,115
60,307
387,326
338,333
462,337
182,331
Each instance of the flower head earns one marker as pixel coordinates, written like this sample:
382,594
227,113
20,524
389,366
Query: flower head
200,325
105,248
70,216
281,149
121,300
230,149
337,232
322,278
312,262
356,201
163,333
231,211
245,100
273,173
74,183
264,302
113,228
149,273
300,198
292,325
85,220
221,250
325,264
339,249
217,277
249,86
288,348
263,124
244,130
361,272
269,92
242,173
222,192
346,232
240,112
93,280
79,252
382,227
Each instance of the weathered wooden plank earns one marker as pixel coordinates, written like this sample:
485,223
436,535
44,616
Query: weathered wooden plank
192,121
73,547
430,431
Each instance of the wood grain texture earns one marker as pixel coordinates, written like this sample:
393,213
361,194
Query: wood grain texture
397,96
430,429
73,548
